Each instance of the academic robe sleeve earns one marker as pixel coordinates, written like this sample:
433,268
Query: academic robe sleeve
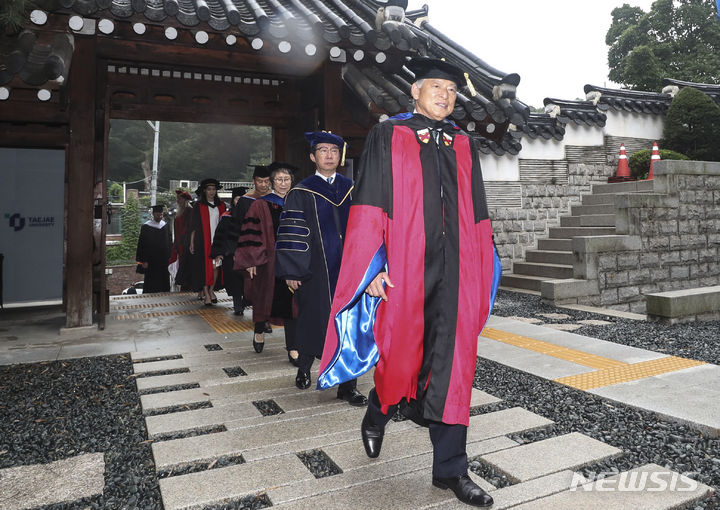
350,347
254,236
225,239
292,247
141,254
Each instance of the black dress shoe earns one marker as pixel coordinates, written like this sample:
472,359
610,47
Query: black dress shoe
465,490
302,380
268,329
258,346
353,397
372,436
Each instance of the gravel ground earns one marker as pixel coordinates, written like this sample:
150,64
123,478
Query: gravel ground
642,436
55,410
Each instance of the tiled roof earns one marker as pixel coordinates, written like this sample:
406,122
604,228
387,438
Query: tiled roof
585,113
542,125
635,101
37,63
711,90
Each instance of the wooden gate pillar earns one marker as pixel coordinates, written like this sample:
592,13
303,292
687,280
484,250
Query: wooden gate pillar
80,183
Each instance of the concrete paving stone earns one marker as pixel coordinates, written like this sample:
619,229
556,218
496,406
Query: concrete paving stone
528,361
606,311
528,320
173,398
34,355
569,451
169,350
276,430
197,419
157,366
197,490
671,398
61,481
480,398
409,491
506,421
555,316
161,381
513,495
97,349
651,488
564,327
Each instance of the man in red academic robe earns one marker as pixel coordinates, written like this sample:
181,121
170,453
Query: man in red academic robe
418,277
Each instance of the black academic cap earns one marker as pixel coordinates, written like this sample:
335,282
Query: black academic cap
238,192
261,171
277,165
425,67
207,182
316,137
158,208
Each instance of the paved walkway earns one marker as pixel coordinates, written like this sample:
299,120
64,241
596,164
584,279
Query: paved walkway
228,423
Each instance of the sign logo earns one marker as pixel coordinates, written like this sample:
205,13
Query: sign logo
635,481
18,222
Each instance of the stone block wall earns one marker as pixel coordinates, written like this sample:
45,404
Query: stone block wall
121,278
678,227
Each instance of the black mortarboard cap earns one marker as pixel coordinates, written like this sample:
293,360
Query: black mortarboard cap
425,67
238,192
277,165
261,171
158,208
207,182
316,137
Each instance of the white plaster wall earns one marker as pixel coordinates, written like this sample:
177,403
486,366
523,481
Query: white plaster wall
539,148
584,135
504,168
634,125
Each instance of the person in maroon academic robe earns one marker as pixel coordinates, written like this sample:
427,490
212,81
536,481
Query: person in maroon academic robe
255,255
153,252
417,277
181,225
205,218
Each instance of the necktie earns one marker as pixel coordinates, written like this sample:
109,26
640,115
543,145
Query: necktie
330,180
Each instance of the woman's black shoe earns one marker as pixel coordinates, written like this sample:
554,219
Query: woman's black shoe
268,329
213,301
258,346
293,361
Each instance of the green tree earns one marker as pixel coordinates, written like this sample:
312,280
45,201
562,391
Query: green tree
13,14
124,252
115,192
692,125
677,39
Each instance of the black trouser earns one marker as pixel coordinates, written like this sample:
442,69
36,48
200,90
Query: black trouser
305,362
238,303
449,441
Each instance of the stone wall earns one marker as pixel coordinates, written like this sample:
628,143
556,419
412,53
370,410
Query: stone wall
121,278
670,239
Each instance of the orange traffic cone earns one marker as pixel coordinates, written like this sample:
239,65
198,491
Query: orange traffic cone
623,169
655,157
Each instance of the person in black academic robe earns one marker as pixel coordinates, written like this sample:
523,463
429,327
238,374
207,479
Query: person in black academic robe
153,252
418,278
224,244
203,222
309,250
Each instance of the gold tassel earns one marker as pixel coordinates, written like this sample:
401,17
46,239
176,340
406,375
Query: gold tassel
470,85
342,160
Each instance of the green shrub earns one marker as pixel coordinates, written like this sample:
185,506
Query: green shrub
692,125
640,161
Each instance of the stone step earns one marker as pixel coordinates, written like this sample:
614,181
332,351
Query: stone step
569,451
519,281
549,256
578,210
606,199
624,187
588,220
570,232
567,290
553,271
649,487
555,244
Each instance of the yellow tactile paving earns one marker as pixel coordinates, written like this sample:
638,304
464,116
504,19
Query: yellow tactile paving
155,314
550,349
222,323
630,372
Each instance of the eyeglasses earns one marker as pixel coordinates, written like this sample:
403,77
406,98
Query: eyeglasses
323,151
283,179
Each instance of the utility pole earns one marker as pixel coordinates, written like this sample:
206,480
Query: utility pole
156,146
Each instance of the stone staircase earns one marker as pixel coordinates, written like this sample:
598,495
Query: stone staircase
553,259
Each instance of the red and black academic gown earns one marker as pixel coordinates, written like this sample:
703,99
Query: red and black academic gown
419,210
202,263
309,248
